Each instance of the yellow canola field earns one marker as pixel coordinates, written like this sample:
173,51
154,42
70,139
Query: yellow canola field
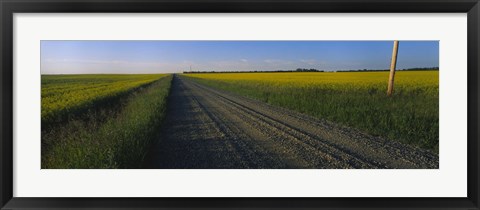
403,79
65,93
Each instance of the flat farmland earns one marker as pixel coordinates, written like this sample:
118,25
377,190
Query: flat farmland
107,121
353,99
241,120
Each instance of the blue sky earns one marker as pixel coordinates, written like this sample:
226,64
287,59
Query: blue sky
87,57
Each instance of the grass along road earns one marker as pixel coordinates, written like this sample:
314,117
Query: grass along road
209,128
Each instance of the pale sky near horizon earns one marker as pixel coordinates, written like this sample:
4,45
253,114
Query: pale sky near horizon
90,57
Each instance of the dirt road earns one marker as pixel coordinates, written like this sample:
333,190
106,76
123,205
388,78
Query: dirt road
207,128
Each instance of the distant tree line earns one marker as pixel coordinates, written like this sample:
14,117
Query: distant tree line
409,69
313,70
255,71
308,70
422,69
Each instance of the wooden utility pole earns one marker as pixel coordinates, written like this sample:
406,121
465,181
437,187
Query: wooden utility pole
393,65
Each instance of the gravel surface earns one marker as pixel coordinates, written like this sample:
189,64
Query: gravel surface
206,128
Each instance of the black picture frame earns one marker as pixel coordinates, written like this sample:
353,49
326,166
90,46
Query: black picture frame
9,7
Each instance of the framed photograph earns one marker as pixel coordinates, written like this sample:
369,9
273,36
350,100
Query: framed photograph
259,104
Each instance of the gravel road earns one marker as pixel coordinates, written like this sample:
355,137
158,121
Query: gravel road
206,128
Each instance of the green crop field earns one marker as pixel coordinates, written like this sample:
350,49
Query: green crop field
356,99
114,122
